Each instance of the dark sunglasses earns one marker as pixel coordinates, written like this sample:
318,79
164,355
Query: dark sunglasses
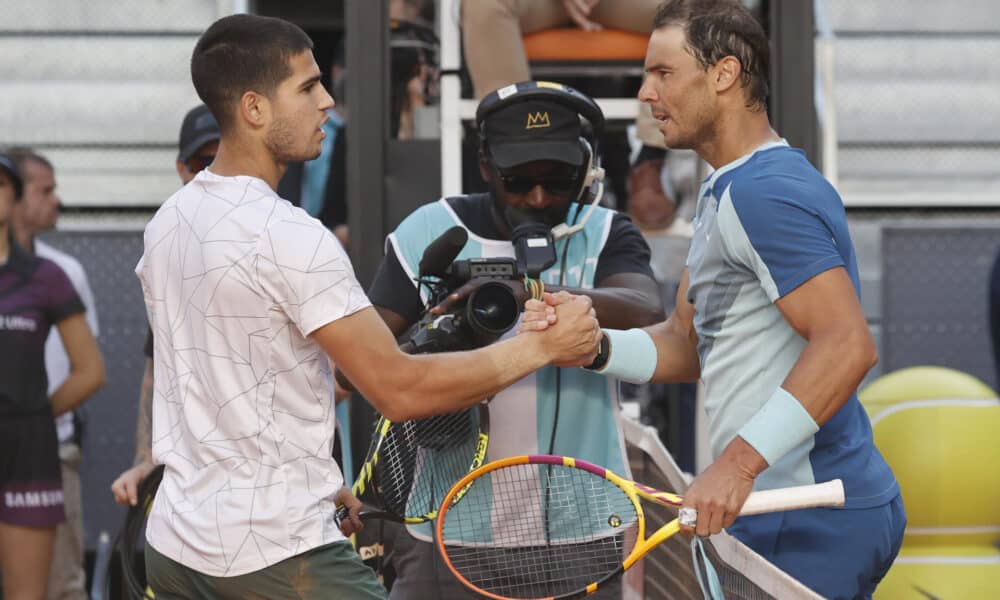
197,163
558,185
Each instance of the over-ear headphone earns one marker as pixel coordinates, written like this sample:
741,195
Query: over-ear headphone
590,183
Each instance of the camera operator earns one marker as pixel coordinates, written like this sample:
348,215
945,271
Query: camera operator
533,156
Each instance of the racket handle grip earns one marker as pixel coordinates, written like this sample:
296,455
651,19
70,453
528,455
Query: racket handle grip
830,493
367,515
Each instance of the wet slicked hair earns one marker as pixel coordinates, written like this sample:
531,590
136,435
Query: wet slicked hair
716,29
242,53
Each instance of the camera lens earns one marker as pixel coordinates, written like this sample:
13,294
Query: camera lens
492,310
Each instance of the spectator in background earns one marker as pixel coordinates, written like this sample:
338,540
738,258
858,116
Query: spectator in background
199,140
494,53
649,203
198,143
35,294
37,212
413,75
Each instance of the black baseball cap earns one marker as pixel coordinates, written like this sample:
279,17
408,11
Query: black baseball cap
534,130
199,128
8,165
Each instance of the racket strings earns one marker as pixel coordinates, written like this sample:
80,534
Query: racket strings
528,531
419,460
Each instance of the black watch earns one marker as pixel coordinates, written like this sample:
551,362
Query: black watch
603,354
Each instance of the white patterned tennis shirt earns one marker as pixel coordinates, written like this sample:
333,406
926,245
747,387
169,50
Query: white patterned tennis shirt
235,279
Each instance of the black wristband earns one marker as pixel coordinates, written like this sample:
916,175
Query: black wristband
603,354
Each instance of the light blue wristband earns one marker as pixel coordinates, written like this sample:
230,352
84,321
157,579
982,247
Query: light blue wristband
779,426
632,355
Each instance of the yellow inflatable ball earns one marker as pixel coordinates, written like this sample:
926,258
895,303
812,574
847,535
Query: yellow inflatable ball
921,383
939,429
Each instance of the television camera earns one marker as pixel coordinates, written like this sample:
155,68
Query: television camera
491,309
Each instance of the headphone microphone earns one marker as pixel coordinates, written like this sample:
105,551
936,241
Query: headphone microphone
593,176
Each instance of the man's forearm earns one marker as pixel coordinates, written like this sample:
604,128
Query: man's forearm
144,421
826,375
621,307
86,374
823,378
75,390
403,387
826,312
484,372
440,383
664,352
676,351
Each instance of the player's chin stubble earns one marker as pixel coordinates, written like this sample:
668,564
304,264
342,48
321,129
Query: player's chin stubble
281,142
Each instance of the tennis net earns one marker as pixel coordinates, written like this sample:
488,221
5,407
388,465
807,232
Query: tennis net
668,571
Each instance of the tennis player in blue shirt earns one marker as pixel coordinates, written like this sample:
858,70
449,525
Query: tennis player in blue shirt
768,315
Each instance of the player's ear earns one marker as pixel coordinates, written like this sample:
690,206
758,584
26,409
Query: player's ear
255,109
726,73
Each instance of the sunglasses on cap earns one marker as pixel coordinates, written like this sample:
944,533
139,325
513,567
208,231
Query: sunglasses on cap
197,163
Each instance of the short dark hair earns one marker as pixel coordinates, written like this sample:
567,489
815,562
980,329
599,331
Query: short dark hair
21,155
243,52
716,29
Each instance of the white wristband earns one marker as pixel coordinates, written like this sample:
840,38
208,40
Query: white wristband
632,355
779,426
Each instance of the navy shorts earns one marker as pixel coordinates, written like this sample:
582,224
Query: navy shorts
838,553
31,492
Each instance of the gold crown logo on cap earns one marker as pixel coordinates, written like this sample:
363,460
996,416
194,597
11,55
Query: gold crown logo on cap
538,120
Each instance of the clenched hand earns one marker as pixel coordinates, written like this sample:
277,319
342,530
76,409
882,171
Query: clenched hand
573,335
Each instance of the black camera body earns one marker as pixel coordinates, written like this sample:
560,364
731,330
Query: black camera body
489,311
492,309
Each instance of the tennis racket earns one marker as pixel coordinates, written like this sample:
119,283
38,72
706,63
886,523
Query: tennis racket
556,527
410,466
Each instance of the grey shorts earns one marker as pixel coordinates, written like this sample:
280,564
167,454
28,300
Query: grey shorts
331,571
